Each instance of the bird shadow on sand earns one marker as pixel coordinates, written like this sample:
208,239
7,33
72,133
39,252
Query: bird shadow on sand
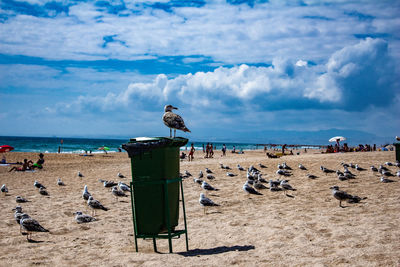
290,196
213,212
213,251
34,241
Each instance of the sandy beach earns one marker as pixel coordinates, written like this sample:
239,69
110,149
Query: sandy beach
308,229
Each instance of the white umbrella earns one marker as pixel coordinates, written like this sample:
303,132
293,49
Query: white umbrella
340,138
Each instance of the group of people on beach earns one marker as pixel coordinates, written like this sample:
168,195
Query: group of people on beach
29,165
208,151
345,148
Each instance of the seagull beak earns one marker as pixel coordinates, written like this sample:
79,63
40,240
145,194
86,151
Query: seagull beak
174,108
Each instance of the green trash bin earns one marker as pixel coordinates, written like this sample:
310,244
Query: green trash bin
154,160
397,146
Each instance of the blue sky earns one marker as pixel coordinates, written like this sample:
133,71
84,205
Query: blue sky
237,70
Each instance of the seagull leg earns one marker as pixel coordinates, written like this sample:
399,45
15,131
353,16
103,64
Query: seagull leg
174,133
170,132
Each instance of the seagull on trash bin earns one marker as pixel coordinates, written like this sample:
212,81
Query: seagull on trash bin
173,121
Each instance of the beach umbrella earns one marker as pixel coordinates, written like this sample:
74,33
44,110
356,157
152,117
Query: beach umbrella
340,138
104,148
6,148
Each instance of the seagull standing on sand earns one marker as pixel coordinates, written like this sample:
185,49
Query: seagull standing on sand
118,193
285,186
80,174
20,199
95,204
43,191
197,180
173,121
30,225
206,202
248,189
210,177
120,175
85,193
38,185
340,195
123,187
386,180
59,182
258,185
83,218
207,186
4,189
200,174
301,167
18,215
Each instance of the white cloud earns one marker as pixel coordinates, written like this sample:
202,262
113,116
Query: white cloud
283,82
232,34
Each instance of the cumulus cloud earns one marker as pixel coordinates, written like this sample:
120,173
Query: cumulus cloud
346,81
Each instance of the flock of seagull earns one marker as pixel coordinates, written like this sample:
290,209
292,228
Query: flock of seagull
28,225
255,182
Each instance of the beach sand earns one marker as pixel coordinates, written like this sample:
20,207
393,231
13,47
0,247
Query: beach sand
308,229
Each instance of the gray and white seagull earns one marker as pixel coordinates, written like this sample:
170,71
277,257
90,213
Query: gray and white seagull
95,204
206,202
83,218
31,225
173,121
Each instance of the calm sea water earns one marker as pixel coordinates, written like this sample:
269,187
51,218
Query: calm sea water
82,145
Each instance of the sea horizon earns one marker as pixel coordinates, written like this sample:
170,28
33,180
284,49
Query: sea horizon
56,144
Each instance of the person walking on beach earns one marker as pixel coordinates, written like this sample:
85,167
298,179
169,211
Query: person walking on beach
207,150
283,149
223,150
191,152
211,151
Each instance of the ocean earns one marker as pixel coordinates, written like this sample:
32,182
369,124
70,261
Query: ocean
85,145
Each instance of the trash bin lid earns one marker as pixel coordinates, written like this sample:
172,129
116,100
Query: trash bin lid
139,145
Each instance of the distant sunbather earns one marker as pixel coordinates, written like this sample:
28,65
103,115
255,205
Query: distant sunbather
39,163
25,166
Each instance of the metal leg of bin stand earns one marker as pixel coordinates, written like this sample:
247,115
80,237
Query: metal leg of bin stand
166,200
154,244
184,216
134,216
